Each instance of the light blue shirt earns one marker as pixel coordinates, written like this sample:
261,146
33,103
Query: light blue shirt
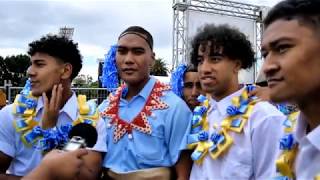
162,148
25,158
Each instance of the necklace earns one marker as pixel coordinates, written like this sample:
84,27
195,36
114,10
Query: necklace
219,141
31,134
140,122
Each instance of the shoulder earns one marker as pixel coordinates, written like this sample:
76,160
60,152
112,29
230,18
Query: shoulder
6,111
267,109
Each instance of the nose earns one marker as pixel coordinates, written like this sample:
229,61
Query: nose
270,66
128,58
204,67
30,71
194,91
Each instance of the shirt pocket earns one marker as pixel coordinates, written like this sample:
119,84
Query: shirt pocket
150,149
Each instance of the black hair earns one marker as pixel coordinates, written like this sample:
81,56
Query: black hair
137,30
190,68
234,44
305,11
59,47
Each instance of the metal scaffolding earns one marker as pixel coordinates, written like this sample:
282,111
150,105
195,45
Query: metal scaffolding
220,7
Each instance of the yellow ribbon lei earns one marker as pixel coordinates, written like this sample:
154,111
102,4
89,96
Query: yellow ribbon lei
219,142
24,109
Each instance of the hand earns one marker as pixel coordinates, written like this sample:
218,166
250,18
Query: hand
59,164
52,108
261,92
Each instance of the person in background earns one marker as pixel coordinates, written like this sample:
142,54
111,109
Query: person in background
186,84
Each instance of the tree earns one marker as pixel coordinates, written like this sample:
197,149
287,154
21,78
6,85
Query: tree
85,81
14,68
159,68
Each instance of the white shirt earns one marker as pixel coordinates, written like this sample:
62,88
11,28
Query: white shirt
24,158
253,152
307,163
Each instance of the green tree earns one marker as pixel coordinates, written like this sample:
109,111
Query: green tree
14,68
159,68
84,81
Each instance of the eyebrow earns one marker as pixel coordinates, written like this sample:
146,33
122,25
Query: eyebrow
277,41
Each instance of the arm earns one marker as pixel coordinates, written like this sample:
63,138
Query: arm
5,161
51,167
265,138
176,136
183,166
7,140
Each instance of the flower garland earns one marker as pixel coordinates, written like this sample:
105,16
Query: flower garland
219,141
289,148
140,122
24,109
109,78
176,80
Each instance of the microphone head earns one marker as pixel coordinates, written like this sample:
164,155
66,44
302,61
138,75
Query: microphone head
86,131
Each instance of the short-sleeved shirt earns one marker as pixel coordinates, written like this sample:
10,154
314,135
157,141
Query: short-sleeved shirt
162,147
307,162
26,158
253,152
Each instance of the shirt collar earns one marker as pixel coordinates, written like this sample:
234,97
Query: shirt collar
224,103
68,108
312,137
146,90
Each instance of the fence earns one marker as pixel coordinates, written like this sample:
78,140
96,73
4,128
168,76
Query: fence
92,93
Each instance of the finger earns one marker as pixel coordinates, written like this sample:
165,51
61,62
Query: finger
53,98
59,96
45,101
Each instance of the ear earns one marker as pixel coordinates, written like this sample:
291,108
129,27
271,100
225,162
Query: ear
237,66
66,71
153,57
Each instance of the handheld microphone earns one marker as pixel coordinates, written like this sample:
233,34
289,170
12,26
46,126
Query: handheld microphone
81,135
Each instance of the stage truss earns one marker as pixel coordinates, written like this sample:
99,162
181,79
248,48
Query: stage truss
220,7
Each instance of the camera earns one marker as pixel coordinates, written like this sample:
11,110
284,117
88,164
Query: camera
76,142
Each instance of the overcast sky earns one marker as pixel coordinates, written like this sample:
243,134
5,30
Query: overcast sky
97,24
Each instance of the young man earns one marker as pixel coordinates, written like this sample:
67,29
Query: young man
290,47
45,109
147,123
239,135
186,84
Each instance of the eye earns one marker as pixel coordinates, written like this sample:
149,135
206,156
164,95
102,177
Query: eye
264,54
215,59
282,48
200,59
188,85
138,51
122,50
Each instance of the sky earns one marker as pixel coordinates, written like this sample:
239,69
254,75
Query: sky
96,23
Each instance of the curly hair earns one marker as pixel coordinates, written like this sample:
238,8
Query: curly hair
233,43
59,47
307,12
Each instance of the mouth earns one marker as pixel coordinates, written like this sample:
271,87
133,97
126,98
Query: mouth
274,81
207,79
33,83
128,70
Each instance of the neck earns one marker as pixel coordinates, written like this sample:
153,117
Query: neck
134,89
232,87
310,108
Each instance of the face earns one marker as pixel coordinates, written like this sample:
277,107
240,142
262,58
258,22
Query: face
218,74
134,59
191,89
292,61
44,72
